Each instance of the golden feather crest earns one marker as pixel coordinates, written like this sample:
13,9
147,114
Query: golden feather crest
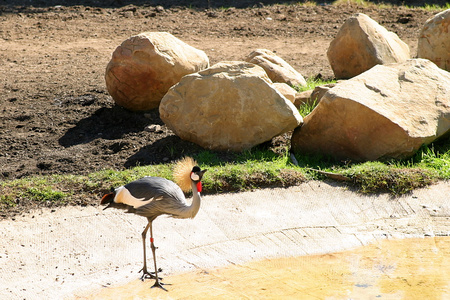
182,173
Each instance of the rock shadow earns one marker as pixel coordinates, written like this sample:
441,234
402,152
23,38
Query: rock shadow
167,149
109,124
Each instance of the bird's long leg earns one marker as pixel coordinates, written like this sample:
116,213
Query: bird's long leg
157,283
145,273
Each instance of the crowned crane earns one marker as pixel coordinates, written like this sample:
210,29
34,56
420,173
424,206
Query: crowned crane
151,197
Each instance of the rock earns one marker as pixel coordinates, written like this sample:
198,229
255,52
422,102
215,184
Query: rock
276,68
285,90
154,128
230,106
434,40
302,98
145,66
319,91
386,112
312,96
362,43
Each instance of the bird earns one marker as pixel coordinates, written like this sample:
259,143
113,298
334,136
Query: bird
151,197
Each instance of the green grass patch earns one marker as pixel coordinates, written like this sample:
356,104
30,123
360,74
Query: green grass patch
430,164
435,7
37,191
434,157
380,5
252,169
311,83
306,108
257,168
372,177
43,194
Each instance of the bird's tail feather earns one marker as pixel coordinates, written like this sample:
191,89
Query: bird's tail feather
107,198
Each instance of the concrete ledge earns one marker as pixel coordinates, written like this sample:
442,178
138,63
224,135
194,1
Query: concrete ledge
49,255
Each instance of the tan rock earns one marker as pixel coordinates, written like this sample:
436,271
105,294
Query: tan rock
285,90
145,66
312,96
229,106
386,112
319,91
434,40
276,68
302,98
362,43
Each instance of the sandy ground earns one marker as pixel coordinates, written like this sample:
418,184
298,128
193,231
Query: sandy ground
75,252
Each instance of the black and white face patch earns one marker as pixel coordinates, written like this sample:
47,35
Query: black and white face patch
195,176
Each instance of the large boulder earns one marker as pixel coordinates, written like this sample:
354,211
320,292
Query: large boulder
145,66
230,106
276,68
434,40
362,43
386,112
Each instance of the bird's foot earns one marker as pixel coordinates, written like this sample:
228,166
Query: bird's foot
148,275
160,285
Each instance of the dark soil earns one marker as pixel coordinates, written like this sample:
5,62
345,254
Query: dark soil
55,113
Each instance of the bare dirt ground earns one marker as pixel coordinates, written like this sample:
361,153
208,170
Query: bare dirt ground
55,113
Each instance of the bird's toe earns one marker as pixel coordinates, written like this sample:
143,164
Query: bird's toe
149,275
159,284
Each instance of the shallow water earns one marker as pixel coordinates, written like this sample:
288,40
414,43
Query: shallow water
388,269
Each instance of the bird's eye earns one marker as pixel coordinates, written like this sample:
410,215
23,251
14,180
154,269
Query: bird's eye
195,177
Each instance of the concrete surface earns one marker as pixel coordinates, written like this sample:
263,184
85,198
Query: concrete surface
388,269
73,250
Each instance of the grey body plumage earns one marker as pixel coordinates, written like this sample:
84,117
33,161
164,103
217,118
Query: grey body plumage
161,191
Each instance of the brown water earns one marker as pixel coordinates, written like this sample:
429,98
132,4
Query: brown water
388,269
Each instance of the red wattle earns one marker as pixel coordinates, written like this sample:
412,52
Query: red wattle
199,186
